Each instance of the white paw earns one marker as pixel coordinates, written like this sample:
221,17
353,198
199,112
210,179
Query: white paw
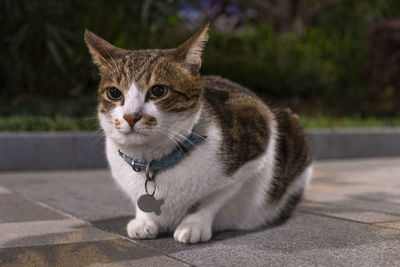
192,233
142,229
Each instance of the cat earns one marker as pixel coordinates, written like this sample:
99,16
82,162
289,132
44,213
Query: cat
247,169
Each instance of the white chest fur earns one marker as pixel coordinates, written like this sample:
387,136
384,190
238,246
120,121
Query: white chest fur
198,174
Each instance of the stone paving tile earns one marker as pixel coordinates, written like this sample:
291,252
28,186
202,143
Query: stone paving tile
326,230
4,190
35,233
394,225
155,261
386,197
355,186
14,208
40,236
366,216
94,253
348,206
304,240
79,193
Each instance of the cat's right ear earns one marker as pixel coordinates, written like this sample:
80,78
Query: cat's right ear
190,51
101,50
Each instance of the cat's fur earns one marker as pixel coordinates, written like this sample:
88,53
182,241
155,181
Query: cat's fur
249,172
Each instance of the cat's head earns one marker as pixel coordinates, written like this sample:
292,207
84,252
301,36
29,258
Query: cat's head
145,95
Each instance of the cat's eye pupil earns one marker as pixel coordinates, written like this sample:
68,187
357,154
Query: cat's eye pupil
158,91
114,93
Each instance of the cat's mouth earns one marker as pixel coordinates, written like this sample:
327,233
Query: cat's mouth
135,132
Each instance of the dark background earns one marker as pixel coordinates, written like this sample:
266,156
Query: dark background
322,58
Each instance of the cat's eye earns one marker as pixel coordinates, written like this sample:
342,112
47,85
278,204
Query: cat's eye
157,91
114,94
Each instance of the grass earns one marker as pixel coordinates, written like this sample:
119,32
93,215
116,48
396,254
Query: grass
47,123
320,121
68,123
46,114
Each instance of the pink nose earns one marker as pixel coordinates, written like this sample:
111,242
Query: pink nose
132,119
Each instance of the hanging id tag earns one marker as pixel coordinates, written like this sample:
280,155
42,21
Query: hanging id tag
149,203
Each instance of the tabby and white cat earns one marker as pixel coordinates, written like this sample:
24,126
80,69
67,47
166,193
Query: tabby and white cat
249,171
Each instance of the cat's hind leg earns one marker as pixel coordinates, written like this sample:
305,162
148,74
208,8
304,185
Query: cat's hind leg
283,209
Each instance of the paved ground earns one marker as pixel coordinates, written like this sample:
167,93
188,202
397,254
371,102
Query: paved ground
349,217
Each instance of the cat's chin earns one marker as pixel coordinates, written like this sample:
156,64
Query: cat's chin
130,138
134,133
135,138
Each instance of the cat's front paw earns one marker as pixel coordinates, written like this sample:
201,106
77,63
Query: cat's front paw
142,229
192,233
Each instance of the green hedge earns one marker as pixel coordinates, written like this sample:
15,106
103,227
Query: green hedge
321,64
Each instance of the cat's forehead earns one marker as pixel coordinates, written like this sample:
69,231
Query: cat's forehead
145,56
140,67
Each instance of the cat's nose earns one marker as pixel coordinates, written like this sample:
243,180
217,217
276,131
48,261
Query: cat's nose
133,118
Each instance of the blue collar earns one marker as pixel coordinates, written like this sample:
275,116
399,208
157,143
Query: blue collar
168,160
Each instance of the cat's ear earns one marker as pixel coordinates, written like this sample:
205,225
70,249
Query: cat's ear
189,53
100,49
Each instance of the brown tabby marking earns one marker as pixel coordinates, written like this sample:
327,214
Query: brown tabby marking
243,118
292,153
184,91
105,105
149,121
117,124
287,209
194,208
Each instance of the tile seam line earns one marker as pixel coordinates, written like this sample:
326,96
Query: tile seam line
384,212
344,219
371,200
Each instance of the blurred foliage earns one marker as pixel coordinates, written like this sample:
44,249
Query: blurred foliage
330,63
44,56
384,60
43,52
287,65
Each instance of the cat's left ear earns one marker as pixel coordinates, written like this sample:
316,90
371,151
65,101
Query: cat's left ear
189,53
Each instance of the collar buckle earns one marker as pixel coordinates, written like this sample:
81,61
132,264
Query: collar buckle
136,169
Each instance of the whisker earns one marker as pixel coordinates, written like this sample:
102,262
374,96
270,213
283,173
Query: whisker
113,61
186,130
180,137
97,136
166,133
110,68
174,127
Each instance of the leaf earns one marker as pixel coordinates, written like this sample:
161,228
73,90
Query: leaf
55,33
55,54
